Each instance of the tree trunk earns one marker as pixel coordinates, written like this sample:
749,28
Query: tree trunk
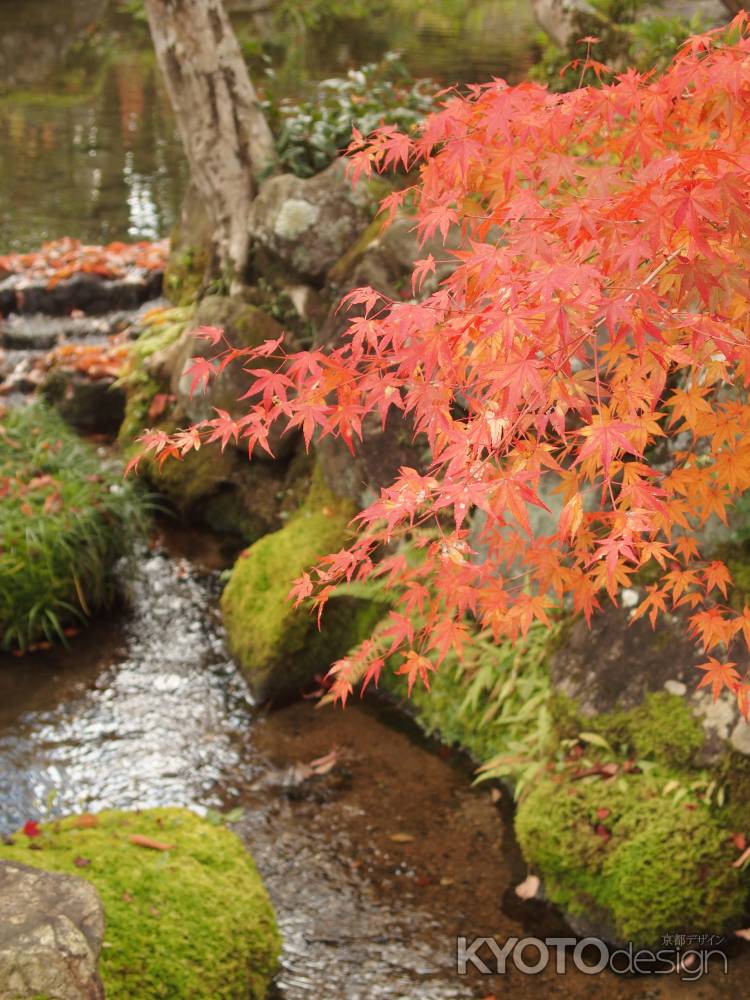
227,140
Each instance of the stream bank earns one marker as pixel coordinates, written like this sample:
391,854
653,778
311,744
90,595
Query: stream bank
374,864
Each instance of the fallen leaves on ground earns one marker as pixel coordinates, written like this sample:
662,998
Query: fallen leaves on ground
92,360
62,259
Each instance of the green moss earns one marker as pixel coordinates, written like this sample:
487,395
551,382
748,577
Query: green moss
279,647
193,922
65,518
194,477
661,729
186,273
663,864
140,394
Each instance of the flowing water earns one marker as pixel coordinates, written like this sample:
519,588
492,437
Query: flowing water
374,867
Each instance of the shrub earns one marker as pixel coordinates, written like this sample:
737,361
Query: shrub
65,518
311,134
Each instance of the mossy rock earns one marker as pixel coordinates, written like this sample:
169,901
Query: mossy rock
662,728
628,861
280,648
194,921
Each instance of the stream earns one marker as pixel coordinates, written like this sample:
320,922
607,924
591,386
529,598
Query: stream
378,858
374,865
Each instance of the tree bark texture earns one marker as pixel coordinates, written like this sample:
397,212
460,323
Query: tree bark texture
226,137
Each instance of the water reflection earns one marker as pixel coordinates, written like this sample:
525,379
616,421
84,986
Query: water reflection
89,148
98,167
151,714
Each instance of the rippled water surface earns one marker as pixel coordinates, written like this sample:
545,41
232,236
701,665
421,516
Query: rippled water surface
151,717
374,867
89,148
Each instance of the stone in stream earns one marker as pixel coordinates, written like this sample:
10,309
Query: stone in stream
88,292
40,332
51,932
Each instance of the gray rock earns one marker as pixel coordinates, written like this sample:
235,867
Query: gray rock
40,332
564,20
560,18
302,226
618,661
88,404
244,325
51,931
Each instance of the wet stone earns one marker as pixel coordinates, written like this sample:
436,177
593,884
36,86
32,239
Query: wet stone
40,332
87,292
51,931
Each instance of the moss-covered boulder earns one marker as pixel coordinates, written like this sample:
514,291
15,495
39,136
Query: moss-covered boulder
222,490
280,648
66,517
300,227
618,665
191,921
629,859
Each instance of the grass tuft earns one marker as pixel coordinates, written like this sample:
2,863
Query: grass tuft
66,516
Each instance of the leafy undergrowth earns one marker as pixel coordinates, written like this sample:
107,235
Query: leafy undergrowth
65,518
192,920
311,134
64,258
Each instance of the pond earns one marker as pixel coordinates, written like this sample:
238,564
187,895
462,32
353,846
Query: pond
89,147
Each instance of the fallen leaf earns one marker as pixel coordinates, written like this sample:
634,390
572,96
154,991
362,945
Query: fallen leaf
31,828
85,821
528,888
155,845
602,813
158,405
322,765
402,838
603,832
740,841
742,858
80,862
126,897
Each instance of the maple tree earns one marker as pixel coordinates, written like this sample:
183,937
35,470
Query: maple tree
593,336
